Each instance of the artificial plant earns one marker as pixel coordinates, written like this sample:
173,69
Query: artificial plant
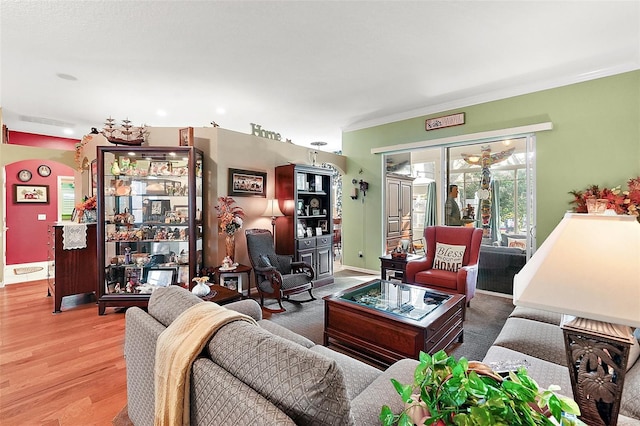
465,393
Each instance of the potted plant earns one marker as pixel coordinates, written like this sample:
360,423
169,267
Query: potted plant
465,393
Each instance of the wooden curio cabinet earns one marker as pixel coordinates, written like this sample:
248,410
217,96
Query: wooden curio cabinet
305,232
150,221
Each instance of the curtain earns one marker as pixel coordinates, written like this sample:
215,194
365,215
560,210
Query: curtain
494,222
430,211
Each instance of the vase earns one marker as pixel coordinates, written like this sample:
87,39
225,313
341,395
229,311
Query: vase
200,289
89,216
230,246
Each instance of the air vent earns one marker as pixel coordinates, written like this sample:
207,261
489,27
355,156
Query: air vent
46,121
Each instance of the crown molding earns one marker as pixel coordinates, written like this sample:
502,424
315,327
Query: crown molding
495,95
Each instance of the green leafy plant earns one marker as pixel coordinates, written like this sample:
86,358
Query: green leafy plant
466,393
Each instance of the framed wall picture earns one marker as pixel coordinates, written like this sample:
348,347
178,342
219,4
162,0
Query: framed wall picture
162,277
247,183
186,136
156,210
231,281
301,182
30,194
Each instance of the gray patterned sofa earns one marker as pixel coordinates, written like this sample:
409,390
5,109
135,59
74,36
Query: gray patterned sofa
257,375
535,336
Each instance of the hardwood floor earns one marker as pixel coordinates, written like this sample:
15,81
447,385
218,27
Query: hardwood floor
59,369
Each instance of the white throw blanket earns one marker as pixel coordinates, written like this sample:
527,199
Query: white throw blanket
177,347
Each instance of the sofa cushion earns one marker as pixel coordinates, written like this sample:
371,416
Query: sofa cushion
279,330
167,303
366,406
357,374
218,398
545,373
630,405
533,338
536,315
306,385
437,278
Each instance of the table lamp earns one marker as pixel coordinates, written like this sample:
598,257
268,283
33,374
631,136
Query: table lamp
589,268
273,211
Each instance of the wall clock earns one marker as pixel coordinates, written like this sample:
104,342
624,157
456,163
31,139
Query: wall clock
24,175
44,170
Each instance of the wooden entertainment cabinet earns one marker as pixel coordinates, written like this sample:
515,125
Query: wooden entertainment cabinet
306,232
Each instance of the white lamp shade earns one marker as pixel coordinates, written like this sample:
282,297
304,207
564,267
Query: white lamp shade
272,210
588,267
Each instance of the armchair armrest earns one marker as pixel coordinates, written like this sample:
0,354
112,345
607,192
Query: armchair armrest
303,268
466,280
269,273
415,266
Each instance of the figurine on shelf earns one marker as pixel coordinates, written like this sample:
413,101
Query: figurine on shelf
115,169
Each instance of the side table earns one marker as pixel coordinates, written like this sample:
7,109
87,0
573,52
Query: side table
238,278
388,263
222,295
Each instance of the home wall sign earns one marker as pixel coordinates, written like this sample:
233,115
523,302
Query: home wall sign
257,130
445,121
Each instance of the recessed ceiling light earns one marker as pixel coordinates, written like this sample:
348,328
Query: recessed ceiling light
161,113
221,110
68,131
66,76
318,143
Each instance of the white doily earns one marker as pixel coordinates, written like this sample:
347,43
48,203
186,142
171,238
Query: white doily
74,236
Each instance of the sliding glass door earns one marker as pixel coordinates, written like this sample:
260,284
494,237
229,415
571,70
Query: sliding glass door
495,183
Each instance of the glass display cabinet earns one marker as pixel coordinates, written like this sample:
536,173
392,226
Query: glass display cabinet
150,221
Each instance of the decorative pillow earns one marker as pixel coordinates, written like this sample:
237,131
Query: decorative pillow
264,261
517,242
448,257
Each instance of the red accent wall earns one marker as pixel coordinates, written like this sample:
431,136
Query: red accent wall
32,139
27,237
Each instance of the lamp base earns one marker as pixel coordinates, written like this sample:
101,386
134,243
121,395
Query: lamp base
597,355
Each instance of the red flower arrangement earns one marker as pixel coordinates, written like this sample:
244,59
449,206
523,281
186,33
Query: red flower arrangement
88,203
229,216
622,202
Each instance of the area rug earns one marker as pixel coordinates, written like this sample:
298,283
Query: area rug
485,316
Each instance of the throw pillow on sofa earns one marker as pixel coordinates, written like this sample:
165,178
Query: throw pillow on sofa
517,242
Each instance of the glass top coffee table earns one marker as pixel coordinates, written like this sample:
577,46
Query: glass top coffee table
385,321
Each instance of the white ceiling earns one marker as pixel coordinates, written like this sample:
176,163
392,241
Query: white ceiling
304,69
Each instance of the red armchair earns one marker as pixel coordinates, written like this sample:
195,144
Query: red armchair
421,272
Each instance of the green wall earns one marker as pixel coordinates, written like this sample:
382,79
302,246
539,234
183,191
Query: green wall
595,140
